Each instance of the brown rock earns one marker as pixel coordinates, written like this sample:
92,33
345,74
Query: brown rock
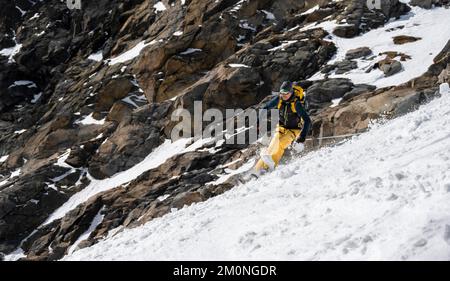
119,112
403,39
114,90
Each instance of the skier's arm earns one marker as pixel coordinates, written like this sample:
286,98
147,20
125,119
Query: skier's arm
306,121
272,103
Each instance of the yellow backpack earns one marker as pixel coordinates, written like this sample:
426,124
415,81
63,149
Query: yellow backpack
299,94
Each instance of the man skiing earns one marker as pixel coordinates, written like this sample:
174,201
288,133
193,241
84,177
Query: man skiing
294,125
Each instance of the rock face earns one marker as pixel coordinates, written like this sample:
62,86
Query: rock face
358,53
389,66
428,4
359,17
87,94
403,39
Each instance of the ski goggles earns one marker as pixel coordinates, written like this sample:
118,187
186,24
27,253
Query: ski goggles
284,93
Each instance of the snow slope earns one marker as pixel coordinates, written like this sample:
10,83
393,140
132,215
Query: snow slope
384,195
430,25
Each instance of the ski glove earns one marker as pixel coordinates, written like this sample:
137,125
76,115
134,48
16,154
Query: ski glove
301,139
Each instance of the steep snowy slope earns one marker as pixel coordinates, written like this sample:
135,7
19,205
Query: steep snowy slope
382,195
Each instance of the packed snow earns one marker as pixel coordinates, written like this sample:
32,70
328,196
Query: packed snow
269,15
11,52
98,56
429,25
159,7
95,222
130,54
383,195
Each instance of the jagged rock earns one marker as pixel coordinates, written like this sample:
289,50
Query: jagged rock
428,4
324,91
444,77
345,66
389,67
183,179
393,55
403,39
358,90
319,14
346,31
444,55
358,53
357,17
26,202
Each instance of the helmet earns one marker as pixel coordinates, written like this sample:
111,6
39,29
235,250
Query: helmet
286,87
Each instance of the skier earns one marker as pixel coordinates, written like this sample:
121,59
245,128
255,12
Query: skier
294,125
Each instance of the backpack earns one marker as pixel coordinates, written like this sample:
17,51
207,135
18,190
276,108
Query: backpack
299,94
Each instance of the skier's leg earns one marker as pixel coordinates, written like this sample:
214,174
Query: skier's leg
273,146
285,140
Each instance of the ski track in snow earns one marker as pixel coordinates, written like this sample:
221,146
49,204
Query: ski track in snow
383,195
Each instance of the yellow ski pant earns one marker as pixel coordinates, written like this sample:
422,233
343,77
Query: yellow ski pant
280,141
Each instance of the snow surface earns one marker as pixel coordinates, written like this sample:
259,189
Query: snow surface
310,11
4,158
430,25
238,65
159,7
383,195
11,52
269,15
96,56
